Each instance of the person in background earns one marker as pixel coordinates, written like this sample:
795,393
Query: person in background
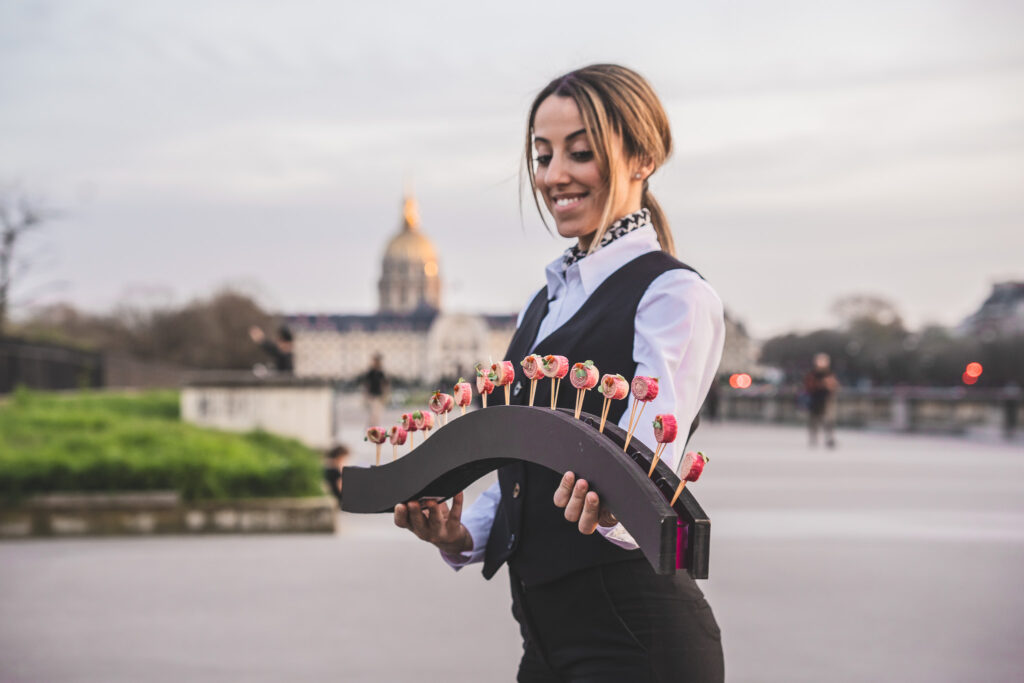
376,386
821,387
280,350
334,459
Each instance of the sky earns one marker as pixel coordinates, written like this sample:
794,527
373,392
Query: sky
821,149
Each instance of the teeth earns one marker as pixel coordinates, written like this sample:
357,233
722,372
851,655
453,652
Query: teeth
566,201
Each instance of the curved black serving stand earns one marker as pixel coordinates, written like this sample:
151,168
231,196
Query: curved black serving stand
472,445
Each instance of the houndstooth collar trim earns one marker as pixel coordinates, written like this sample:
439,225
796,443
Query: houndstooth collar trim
623,226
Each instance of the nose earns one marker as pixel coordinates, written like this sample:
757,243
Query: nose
557,172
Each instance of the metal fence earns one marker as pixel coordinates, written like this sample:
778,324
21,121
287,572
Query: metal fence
47,366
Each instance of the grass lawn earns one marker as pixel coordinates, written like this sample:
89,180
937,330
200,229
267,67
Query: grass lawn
95,441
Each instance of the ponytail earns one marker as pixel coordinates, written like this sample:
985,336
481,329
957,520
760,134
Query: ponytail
660,222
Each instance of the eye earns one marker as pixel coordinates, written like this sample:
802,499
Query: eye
586,155
542,159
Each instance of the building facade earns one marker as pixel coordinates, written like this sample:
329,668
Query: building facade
418,341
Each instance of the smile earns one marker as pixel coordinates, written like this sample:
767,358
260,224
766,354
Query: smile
567,201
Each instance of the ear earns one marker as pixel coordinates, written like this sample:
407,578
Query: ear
643,166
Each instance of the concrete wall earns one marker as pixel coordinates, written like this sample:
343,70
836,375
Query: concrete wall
304,410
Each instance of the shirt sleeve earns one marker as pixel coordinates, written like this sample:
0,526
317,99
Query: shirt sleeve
679,337
478,519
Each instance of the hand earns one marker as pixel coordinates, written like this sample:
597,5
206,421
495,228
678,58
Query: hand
434,523
582,506
256,334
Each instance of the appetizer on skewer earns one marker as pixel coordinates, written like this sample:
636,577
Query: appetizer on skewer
665,430
441,404
613,388
555,367
692,466
397,438
484,385
424,422
376,436
409,425
584,377
463,394
645,389
502,373
533,371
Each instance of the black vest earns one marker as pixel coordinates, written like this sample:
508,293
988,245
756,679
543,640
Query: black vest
529,532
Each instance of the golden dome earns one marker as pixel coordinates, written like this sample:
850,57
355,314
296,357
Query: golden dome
411,245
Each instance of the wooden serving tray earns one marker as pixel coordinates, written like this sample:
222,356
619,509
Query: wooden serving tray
472,445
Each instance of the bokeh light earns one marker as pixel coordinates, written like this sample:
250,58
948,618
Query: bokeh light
973,370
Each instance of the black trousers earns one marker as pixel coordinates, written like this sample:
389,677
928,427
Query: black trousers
617,623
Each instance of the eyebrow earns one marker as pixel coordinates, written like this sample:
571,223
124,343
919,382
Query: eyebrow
568,137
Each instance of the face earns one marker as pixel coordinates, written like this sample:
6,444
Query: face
568,177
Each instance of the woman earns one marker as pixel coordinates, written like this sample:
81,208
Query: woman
590,607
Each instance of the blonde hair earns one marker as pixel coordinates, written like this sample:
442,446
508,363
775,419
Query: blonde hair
613,100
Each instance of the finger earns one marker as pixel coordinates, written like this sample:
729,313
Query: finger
417,522
575,507
456,512
591,510
435,519
564,490
401,516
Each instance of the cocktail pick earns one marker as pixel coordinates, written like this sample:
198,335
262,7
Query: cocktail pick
555,367
532,369
692,466
584,377
484,385
664,433
463,394
613,388
644,389
376,436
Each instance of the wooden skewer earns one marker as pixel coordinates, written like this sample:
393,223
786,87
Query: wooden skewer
412,440
679,490
445,419
483,397
579,402
463,409
507,387
629,436
604,413
378,454
394,452
632,414
558,385
533,390
657,456
553,392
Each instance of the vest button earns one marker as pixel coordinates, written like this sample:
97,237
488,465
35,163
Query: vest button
511,541
515,490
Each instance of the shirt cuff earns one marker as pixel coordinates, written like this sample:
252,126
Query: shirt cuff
459,560
618,535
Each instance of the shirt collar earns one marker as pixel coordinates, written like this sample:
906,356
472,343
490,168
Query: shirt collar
596,267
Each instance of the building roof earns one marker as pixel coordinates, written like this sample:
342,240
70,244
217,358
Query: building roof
419,321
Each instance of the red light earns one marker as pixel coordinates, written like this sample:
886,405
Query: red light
740,380
732,381
973,370
969,378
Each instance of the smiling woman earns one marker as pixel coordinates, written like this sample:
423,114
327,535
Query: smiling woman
589,606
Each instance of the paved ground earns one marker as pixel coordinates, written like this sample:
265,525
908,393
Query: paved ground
890,559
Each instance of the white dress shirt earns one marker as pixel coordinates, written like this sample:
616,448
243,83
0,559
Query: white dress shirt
679,335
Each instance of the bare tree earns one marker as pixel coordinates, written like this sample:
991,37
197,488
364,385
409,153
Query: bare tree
19,215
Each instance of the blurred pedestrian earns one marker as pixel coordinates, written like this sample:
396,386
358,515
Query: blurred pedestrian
376,386
821,386
280,350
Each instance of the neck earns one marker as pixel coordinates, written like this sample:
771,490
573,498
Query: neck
584,241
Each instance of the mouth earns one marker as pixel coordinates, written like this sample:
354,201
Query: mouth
567,202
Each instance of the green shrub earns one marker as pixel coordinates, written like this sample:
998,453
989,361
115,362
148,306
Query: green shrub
91,441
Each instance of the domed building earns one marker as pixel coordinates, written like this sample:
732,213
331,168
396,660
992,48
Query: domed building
419,343
410,280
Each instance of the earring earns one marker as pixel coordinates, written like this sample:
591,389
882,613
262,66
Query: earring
638,176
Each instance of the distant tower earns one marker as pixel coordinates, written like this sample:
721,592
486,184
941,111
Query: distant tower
410,280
